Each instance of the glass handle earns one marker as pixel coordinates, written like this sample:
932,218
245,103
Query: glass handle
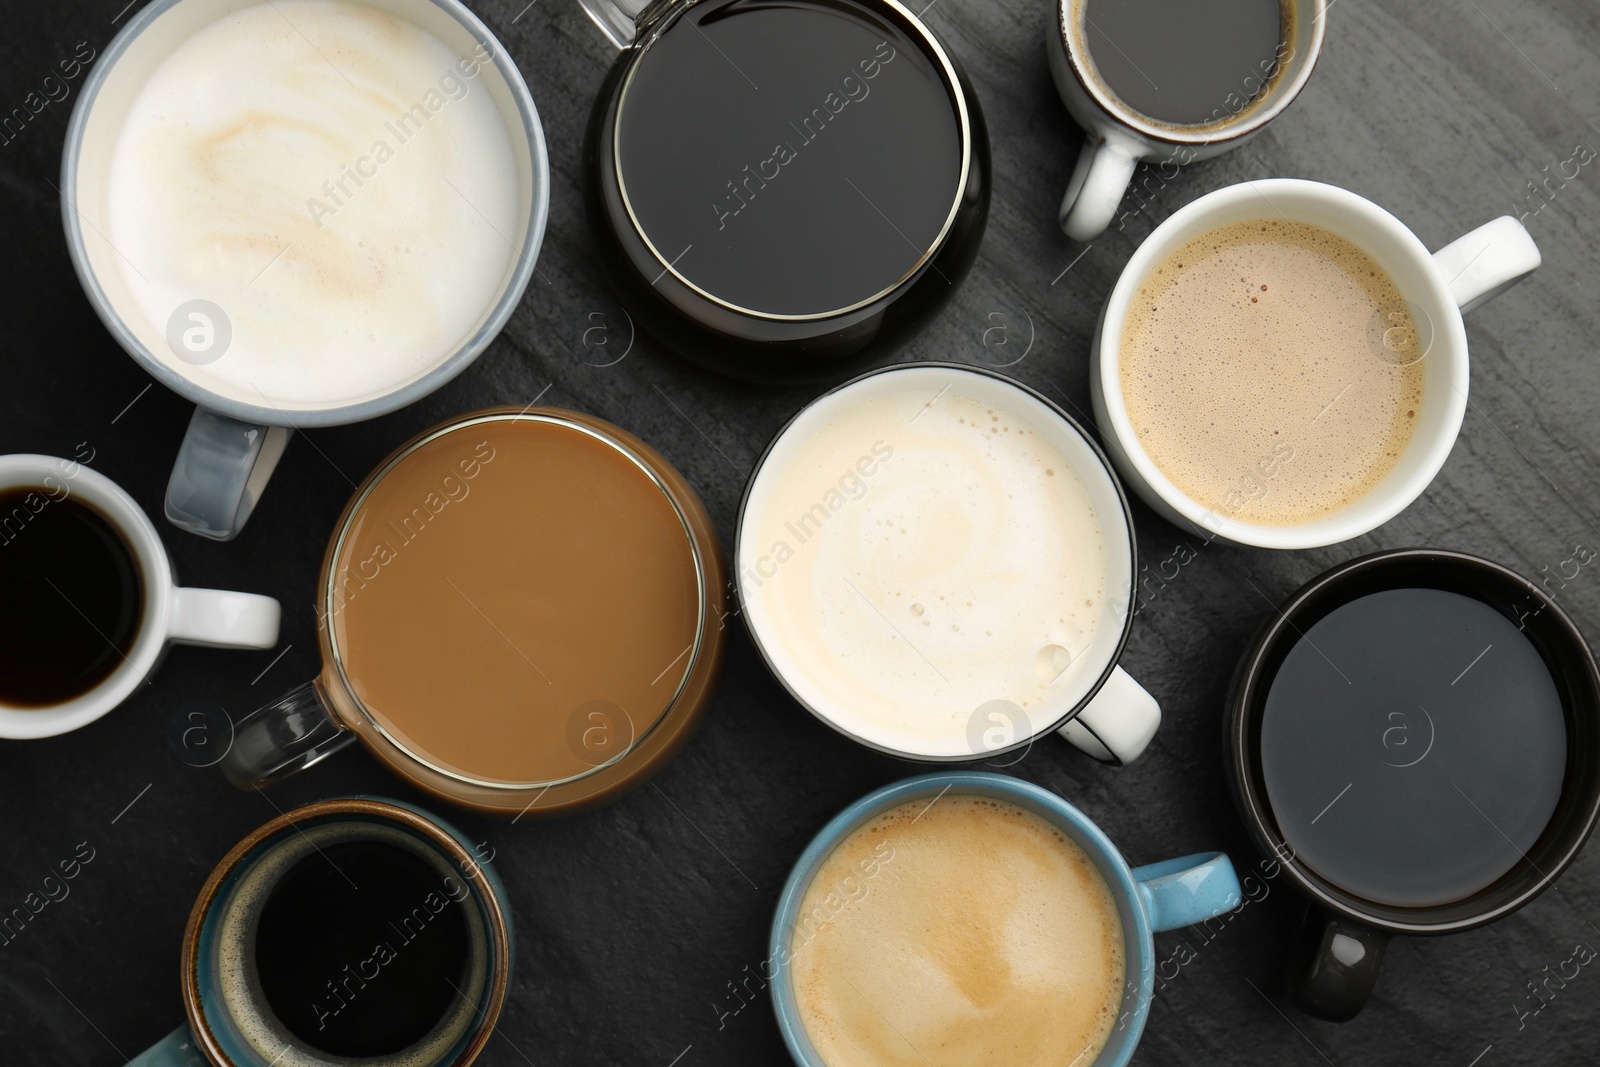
275,741
620,20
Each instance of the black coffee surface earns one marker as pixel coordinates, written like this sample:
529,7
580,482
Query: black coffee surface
1185,62
790,159
70,598
358,946
1413,745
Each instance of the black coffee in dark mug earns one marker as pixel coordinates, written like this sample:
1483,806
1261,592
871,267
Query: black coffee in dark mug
781,192
1420,731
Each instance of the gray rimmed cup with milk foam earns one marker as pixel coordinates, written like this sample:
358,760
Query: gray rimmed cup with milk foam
232,445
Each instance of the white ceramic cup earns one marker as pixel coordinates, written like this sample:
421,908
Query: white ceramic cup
1118,138
1103,712
1437,288
233,443
211,617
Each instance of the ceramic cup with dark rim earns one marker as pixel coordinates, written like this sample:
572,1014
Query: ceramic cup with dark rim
1119,137
1099,707
230,1023
508,555
1152,898
1334,962
237,436
781,192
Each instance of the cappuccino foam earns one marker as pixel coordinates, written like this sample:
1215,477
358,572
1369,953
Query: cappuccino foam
919,557
334,180
984,937
1253,376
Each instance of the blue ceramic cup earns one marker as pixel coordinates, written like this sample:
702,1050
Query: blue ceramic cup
1156,897
229,1023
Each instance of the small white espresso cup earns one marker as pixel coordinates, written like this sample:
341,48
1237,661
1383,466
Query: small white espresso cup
1437,287
171,613
1119,138
235,439
1102,710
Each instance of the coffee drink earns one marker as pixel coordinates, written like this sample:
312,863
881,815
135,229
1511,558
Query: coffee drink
1392,761
911,553
1261,373
352,939
1187,64
73,597
820,190
516,600
958,930
333,179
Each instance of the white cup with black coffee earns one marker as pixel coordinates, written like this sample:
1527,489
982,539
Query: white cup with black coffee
92,603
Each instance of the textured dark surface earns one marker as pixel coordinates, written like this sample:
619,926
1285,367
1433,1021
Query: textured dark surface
635,919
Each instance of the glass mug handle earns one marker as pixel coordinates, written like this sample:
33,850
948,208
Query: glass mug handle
620,20
221,469
1118,724
1105,167
290,735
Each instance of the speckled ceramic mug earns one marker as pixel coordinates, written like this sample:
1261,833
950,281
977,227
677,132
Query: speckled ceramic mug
229,1022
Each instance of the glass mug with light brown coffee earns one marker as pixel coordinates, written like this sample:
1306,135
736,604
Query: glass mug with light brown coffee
519,610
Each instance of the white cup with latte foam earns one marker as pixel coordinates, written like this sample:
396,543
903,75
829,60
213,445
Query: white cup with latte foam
299,213
937,562
1422,329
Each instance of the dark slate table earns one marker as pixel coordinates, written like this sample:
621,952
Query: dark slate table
638,920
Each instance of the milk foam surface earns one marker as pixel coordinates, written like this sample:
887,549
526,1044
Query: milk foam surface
983,937
919,561
336,292
1254,378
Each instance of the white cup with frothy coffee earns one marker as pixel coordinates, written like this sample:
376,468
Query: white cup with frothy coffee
1283,363
299,213
938,563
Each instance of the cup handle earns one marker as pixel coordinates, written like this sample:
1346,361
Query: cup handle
1481,265
620,20
1118,724
222,467
1334,965
216,618
177,1049
275,741
1098,183
1181,892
